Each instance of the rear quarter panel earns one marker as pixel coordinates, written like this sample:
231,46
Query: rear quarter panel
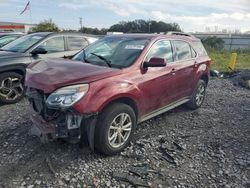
202,69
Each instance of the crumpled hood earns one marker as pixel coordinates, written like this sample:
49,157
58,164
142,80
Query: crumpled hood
51,74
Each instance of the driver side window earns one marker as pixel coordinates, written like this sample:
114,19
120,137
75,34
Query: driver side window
161,49
53,45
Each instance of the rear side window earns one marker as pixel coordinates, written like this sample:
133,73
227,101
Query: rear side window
199,48
182,50
162,49
193,53
77,42
53,45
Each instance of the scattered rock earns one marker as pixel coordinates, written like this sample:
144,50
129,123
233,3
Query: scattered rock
208,147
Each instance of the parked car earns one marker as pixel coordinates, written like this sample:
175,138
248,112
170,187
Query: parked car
117,82
15,56
6,38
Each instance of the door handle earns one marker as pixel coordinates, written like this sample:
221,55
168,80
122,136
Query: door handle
195,64
173,71
66,57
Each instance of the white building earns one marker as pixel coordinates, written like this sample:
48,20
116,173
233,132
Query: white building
15,27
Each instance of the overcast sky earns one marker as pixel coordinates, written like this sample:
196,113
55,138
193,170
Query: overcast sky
192,15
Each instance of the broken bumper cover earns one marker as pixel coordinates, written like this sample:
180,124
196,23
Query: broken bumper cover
69,128
46,131
49,131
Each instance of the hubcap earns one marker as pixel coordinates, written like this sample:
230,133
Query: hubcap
200,95
11,88
119,130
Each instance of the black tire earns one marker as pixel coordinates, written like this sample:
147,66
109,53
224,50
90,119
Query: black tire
103,125
17,87
194,103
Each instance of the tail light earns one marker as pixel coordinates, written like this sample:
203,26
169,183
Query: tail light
210,62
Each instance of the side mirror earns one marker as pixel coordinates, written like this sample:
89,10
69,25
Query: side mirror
155,62
39,50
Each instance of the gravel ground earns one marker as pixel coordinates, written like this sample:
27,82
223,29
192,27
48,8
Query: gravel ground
209,147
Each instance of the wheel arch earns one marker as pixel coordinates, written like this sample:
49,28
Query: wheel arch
125,100
205,78
17,69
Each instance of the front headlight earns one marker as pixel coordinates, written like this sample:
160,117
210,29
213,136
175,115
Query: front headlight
67,96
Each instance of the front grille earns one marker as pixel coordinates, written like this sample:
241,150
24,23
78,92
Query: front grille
34,93
38,101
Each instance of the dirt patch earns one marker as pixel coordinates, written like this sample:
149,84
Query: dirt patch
209,147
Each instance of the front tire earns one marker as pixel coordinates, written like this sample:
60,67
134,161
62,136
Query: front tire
114,128
198,95
11,87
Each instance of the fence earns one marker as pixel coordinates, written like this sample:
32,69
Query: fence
231,41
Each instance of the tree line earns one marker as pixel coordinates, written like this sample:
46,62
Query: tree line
136,26
213,42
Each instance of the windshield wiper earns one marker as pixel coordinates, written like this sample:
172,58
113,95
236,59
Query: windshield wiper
103,58
84,57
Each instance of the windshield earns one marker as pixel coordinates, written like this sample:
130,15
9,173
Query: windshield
117,52
22,44
7,39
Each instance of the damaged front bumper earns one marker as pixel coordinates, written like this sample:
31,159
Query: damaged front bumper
50,124
69,128
42,129
72,130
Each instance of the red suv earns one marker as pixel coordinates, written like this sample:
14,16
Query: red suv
114,84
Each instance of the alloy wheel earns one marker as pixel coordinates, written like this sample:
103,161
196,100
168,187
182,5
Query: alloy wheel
200,95
120,130
11,88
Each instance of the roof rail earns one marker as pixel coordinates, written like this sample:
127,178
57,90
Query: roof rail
179,33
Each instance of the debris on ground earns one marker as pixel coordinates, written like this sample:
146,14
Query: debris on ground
215,73
130,179
208,147
242,79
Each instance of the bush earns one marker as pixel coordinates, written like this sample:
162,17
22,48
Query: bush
45,26
213,43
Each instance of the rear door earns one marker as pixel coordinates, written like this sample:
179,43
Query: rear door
185,66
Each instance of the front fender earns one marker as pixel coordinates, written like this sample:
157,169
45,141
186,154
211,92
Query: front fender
101,94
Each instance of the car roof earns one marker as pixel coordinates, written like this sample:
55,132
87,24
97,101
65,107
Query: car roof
67,33
48,34
154,36
10,33
40,34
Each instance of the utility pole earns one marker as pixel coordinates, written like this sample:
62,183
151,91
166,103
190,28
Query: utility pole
149,24
80,22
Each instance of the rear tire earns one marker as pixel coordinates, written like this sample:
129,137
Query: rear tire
114,129
11,87
198,95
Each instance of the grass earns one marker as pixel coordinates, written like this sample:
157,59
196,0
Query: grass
221,59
